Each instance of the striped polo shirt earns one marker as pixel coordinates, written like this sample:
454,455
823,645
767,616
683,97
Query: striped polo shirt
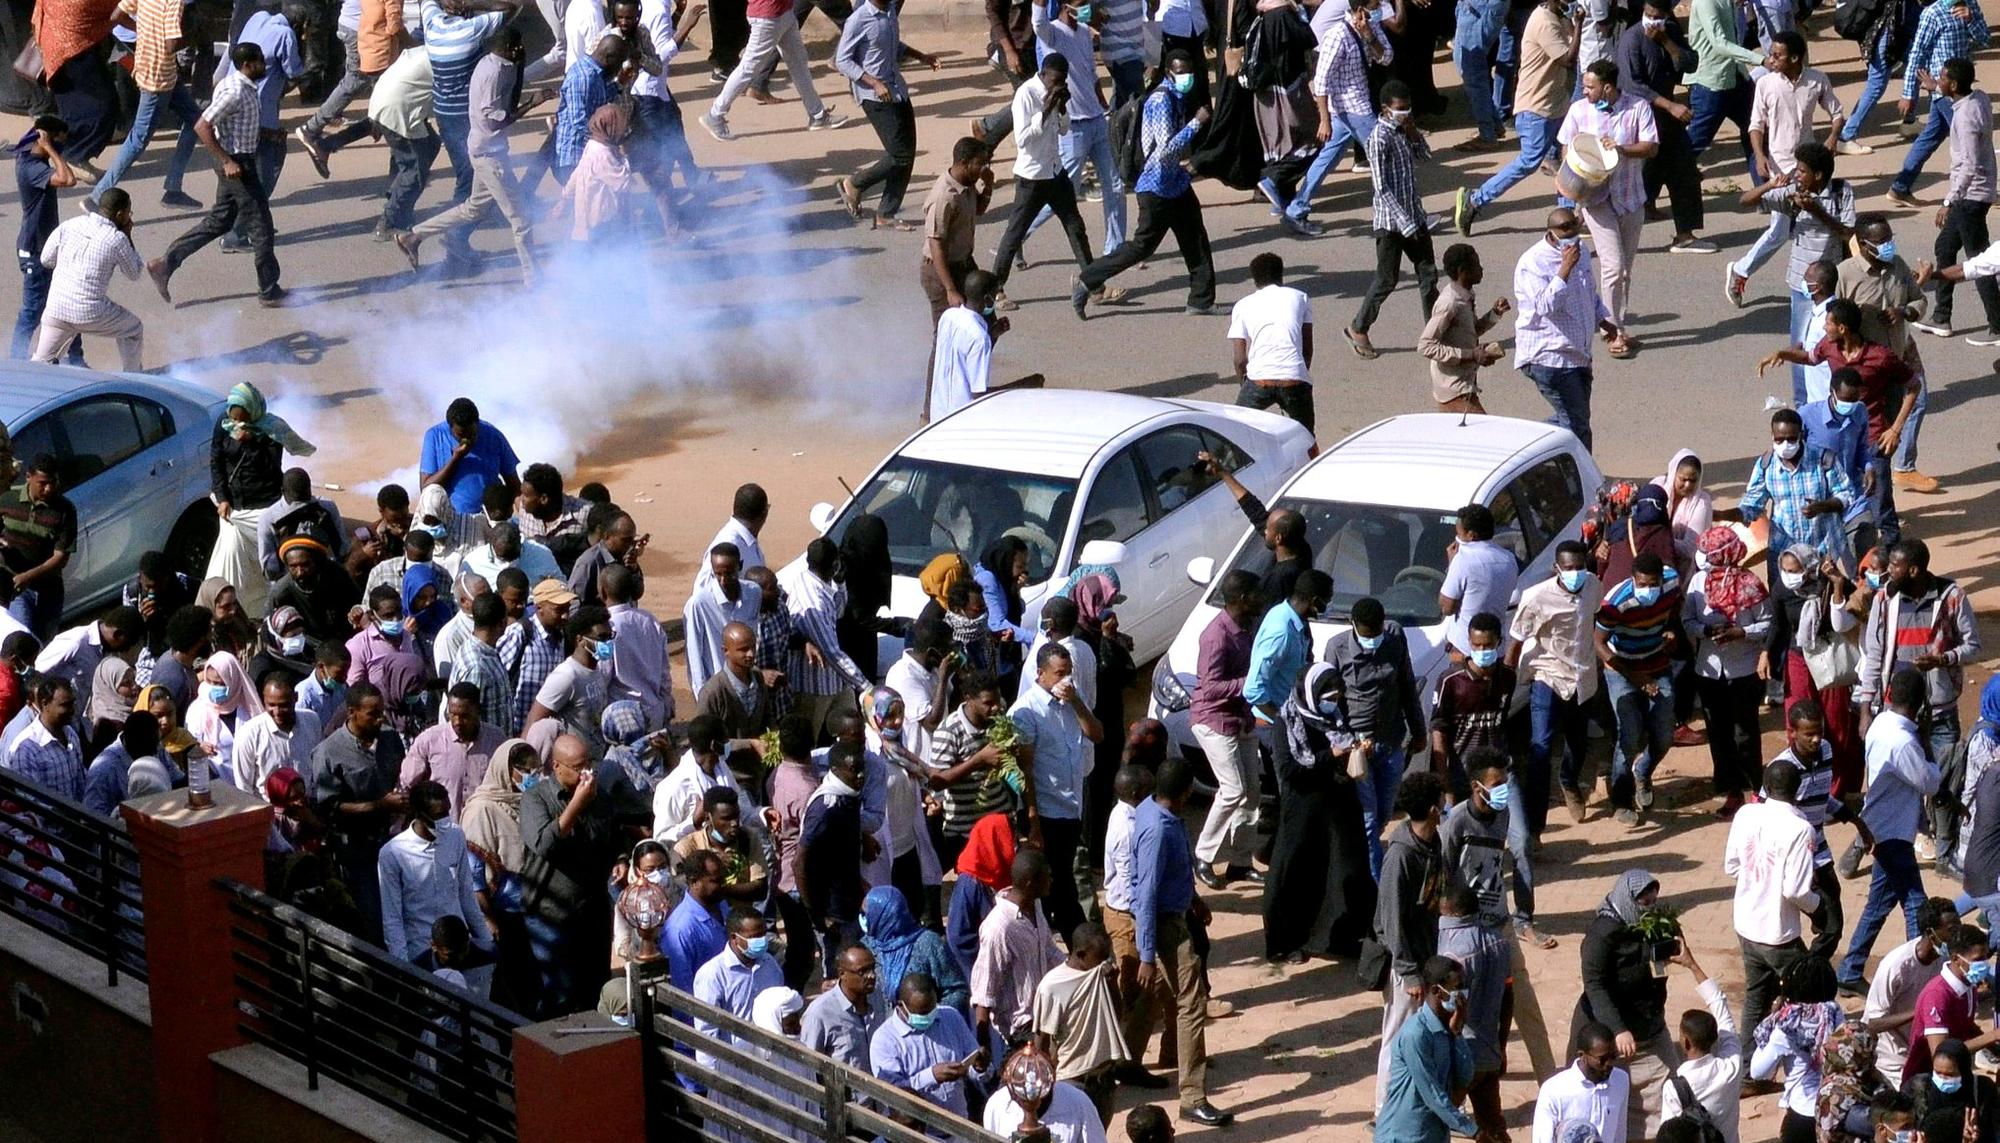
1639,632
33,530
455,43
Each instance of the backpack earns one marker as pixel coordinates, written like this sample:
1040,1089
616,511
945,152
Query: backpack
1856,19
1693,1111
1128,135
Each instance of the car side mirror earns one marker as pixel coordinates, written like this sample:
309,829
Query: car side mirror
821,516
1200,570
1108,552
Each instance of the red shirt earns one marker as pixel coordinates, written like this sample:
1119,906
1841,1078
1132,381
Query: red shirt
1942,1008
11,697
1883,376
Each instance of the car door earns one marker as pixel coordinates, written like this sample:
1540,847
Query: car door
1550,497
1117,507
1192,511
107,460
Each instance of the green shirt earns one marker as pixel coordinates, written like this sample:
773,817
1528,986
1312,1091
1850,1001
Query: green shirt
32,531
1721,62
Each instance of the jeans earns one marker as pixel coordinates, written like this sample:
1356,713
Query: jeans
1229,835
1032,196
39,609
352,83
896,126
1964,231
1567,389
1802,309
1895,880
1474,51
1507,60
240,198
409,171
1391,247
35,279
777,37
1888,524
1552,717
663,142
144,121
1871,92
1936,128
1090,139
453,131
1645,732
1377,792
1347,127
1906,448
1294,400
1710,108
1128,80
1538,140
1158,216
1941,737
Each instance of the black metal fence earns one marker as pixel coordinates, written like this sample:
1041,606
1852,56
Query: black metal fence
344,1008
754,1087
71,874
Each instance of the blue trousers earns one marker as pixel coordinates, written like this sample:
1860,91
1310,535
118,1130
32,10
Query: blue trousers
145,120
1936,129
1906,449
1645,733
1538,141
1871,91
1090,140
1568,392
1346,127
1552,718
1895,880
1710,108
1377,792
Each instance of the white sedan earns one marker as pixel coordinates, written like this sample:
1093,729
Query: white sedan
1380,509
1020,462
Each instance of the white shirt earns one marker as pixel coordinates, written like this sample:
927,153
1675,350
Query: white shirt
1716,1078
1070,1118
1770,855
1892,1004
675,798
917,687
583,23
74,655
1037,135
1566,1095
1118,857
1984,264
535,561
1273,321
656,16
262,749
444,648
962,367
736,532
84,252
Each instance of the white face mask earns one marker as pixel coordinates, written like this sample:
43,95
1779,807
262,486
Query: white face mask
1791,579
1396,117
1786,450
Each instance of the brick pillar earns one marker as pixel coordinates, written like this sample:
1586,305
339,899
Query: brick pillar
565,1079
181,853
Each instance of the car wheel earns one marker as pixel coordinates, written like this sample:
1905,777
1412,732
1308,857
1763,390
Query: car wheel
193,539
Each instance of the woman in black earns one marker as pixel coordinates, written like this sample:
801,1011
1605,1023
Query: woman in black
864,558
246,462
1969,1112
1318,897
1619,990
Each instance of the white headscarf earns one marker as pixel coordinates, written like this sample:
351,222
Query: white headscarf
773,1006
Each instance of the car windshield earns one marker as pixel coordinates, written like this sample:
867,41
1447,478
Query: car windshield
1396,555
932,507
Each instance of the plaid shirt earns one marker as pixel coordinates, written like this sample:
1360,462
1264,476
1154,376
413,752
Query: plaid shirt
84,252
1785,491
482,666
774,653
234,112
568,522
1559,315
585,89
1342,74
530,653
1391,158
54,765
1941,37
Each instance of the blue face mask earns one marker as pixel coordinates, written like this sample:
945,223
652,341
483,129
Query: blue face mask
1369,642
1947,1084
1499,796
1845,408
1083,14
390,628
1182,84
1450,1002
757,946
920,1022
1886,252
1484,657
1979,972
1874,580
1602,105
1330,708
1571,579
437,531
1645,596
601,650
218,694
531,781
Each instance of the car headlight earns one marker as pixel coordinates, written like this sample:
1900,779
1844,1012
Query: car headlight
1168,692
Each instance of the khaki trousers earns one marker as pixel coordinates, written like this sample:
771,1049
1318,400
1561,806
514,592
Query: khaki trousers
55,336
493,184
1180,985
1616,237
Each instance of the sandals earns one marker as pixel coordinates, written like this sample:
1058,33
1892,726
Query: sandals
1360,344
843,189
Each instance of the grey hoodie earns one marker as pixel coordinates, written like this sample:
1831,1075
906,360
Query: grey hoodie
1406,904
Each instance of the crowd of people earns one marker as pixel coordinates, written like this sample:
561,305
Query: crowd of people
984,873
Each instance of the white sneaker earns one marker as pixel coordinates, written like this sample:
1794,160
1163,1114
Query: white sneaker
1693,246
1984,340
1935,328
717,126
1926,848
1852,147
825,121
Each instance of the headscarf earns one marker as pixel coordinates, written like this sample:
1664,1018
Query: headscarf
892,933
1847,1079
610,123
864,553
882,702
1308,730
492,815
432,619
281,618
940,574
245,396
104,704
1989,709
1083,572
211,590
1649,509
176,742
772,1006
435,502
1954,1102
243,698
276,785
998,561
1806,1026
1730,589
623,725
1623,900
1667,482
1093,596
989,852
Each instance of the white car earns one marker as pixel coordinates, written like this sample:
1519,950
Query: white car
1380,508
1021,461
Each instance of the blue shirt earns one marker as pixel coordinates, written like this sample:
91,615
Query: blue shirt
1481,577
1843,438
1276,658
323,700
584,89
38,199
692,938
729,984
1165,134
272,32
996,606
455,44
1162,872
1063,757
1425,1063
903,1057
490,461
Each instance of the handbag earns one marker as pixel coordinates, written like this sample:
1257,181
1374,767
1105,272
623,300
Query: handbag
1373,968
29,64
1837,660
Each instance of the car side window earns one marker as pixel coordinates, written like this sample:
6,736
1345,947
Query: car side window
36,439
1508,531
1551,494
1225,451
1117,508
100,432
1169,459
155,422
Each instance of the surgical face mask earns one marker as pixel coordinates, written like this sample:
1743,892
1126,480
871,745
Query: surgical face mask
1329,707
601,650
1397,116
292,644
1886,251
1499,796
1791,580
1846,408
757,946
1182,84
986,311
1874,580
1602,104
1786,450
718,837
1450,1002
1701,559
1947,1084
891,733
1484,657
217,693
1646,596
1369,642
1571,579
1569,242
533,779
1083,13
655,876
1979,972
390,628
438,531
920,1021
1651,24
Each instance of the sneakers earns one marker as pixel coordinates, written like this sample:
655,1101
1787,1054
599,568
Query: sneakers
1643,798
1199,311
1914,481
1626,818
1462,212
1902,197
1854,987
1984,340
1934,326
825,121
1079,298
180,199
1852,147
1732,285
1692,246
309,141
1926,848
1303,227
1849,863
717,126
1004,304
277,299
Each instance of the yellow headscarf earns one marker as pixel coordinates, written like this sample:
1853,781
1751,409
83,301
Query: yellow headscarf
940,574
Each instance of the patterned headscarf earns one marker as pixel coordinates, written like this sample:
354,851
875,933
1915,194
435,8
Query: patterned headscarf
1093,596
1730,589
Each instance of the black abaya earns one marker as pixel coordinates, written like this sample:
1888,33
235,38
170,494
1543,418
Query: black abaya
1318,895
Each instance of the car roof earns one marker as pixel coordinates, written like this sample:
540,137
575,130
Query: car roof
1046,432
26,388
1422,460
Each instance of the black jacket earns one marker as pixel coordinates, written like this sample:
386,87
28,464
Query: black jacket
246,473
1619,991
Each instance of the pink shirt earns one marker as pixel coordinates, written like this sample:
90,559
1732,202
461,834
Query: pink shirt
792,786
438,756
1016,950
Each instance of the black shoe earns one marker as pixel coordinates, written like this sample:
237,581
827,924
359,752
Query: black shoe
1856,987
1208,1115
180,199
1079,297
278,298
1206,875
1132,1075
1244,873
1200,311
1303,227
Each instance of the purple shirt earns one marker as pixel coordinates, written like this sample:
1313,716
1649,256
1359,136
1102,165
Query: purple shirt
398,669
437,754
1220,671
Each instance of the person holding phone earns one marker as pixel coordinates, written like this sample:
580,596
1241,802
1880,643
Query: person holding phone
927,1048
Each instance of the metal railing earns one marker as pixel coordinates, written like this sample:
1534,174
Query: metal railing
71,874
345,1008
750,1086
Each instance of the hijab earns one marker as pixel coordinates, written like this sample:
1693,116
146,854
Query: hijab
434,502
243,700
277,785
492,815
264,423
176,742
1309,730
988,856
1684,509
431,619
1730,589
998,562
1938,1100
1847,1077
940,574
610,123
623,725
772,1008
105,704
1093,597
891,933
211,590
864,552
882,703
1623,900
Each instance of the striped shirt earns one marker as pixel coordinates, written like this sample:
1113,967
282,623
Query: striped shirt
1392,155
233,112
31,530
455,43
1122,37
1941,36
157,25
971,797
774,653
84,252
54,764
1638,631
